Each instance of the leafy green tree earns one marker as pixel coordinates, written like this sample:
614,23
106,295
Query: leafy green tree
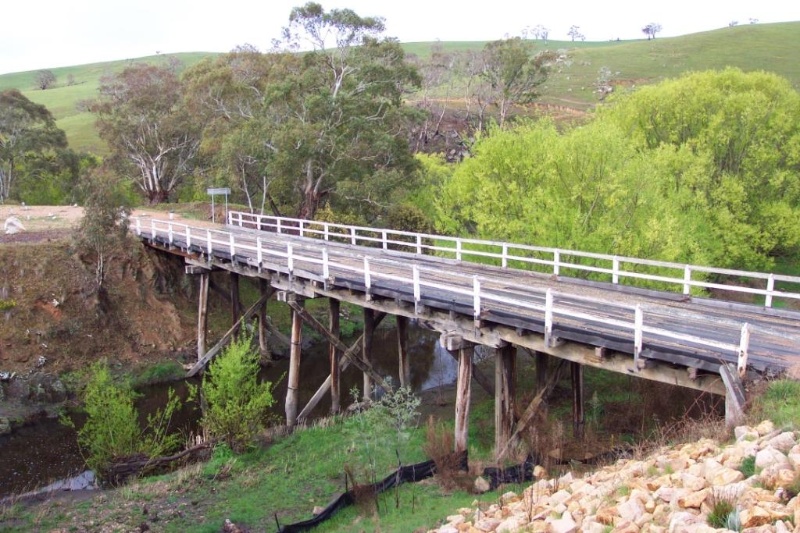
112,429
102,233
513,73
237,403
746,129
327,126
150,133
29,139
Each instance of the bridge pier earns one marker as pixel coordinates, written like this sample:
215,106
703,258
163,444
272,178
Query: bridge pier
578,418
334,355
465,350
369,331
263,346
235,306
203,276
294,365
505,391
404,366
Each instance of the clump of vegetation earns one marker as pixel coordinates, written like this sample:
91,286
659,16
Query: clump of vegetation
160,372
780,402
7,305
723,510
112,430
748,466
236,404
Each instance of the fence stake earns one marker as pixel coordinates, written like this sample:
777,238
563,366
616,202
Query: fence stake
744,343
637,336
770,289
548,318
260,253
476,298
687,278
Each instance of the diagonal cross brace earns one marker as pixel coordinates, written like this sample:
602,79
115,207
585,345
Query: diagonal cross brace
344,362
362,364
227,337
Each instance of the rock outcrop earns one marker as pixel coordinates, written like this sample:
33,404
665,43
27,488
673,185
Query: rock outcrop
674,490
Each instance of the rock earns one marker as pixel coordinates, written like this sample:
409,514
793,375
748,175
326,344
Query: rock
626,526
18,390
754,517
765,427
481,485
745,433
512,523
487,524
317,510
607,515
565,524
539,472
5,425
769,456
13,225
783,442
630,510
777,475
691,482
692,500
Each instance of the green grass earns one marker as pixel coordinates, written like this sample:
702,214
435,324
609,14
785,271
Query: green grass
636,62
780,403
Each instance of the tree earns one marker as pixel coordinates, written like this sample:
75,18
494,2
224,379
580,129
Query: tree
28,134
45,79
151,135
575,33
103,230
745,127
651,30
332,127
514,72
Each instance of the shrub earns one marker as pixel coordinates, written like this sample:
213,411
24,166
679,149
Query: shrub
112,430
723,512
236,404
748,466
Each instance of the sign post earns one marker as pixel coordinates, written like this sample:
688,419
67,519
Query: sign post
218,192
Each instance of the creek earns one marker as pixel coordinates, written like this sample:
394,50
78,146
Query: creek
47,451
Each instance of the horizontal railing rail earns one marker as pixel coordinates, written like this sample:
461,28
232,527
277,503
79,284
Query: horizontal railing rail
616,269
552,308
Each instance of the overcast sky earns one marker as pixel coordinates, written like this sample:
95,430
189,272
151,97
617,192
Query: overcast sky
38,34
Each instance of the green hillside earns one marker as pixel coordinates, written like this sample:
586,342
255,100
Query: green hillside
768,47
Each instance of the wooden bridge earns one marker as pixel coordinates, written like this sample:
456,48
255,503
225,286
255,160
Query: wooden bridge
576,306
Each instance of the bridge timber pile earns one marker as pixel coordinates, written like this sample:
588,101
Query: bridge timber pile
500,296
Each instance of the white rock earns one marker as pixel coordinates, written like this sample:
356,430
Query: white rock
770,456
13,225
565,524
783,442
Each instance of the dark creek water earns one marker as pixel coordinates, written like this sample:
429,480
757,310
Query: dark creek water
47,451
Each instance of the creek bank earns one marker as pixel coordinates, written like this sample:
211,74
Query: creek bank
29,398
674,489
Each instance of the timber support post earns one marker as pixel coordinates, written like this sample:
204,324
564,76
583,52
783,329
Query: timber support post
369,330
404,365
204,276
294,363
263,346
453,343
235,307
542,362
505,390
578,415
335,356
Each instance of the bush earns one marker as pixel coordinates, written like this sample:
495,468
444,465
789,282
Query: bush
112,428
236,404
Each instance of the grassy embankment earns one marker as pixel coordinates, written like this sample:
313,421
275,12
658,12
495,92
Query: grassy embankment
749,47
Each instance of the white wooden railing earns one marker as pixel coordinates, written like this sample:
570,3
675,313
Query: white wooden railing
251,247
556,260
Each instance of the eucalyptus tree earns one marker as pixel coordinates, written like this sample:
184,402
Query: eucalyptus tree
327,125
29,139
140,114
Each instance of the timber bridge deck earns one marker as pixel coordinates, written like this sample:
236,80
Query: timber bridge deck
502,295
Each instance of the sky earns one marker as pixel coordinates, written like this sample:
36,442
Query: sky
39,34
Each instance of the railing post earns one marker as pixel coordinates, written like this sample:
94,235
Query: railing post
152,229
208,240
325,230
383,237
289,259
615,270
548,318
417,295
637,336
169,232
139,227
188,238
770,289
687,278
367,277
556,262
458,249
476,298
326,272
419,244
233,246
259,253
353,236
278,228
744,344
301,224
505,255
